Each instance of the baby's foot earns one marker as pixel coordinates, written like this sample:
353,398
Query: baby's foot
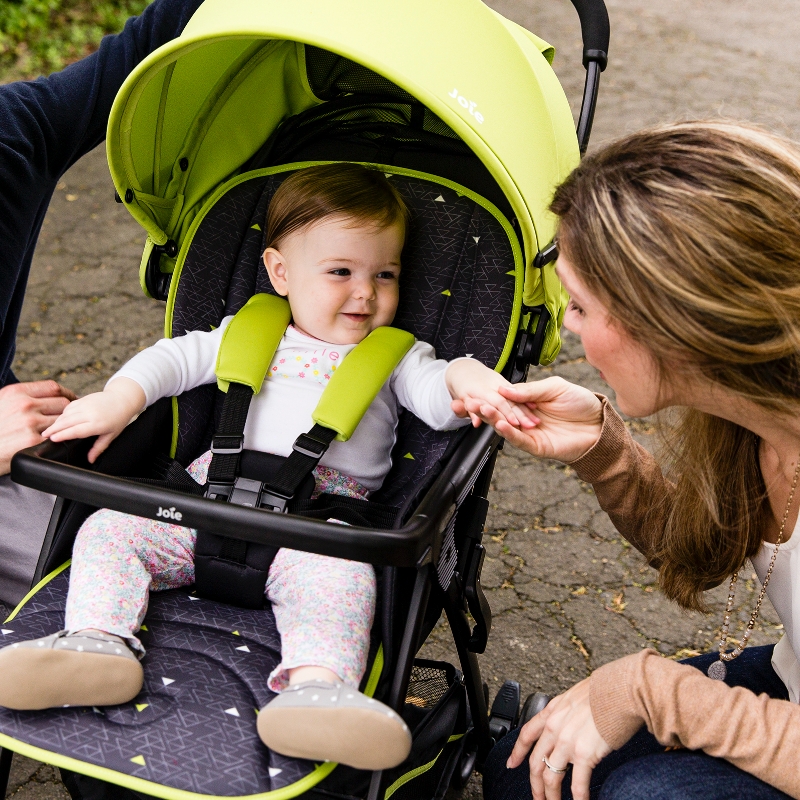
323,721
79,669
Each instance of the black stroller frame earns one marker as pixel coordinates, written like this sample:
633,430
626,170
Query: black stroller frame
440,541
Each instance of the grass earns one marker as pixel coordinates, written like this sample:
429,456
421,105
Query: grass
41,36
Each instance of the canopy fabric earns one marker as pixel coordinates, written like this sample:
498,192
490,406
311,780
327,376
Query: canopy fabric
193,112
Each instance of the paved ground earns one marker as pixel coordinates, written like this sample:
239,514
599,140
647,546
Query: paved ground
567,594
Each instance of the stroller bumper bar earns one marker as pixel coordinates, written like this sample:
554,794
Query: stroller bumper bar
46,467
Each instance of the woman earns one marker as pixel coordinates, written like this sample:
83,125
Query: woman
680,248
46,125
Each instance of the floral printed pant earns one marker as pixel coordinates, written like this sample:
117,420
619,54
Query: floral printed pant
323,606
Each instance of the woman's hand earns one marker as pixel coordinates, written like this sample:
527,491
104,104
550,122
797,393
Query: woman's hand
103,414
568,418
564,733
26,409
474,384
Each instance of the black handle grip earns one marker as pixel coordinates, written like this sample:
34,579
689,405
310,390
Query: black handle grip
595,30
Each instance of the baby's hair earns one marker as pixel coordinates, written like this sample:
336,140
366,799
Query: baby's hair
310,195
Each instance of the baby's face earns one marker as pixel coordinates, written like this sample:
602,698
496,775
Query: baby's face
341,281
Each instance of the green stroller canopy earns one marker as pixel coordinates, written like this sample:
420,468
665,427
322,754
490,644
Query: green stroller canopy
192,113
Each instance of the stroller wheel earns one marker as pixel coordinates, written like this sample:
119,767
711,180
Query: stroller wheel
534,703
466,764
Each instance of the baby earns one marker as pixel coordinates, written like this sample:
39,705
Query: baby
334,234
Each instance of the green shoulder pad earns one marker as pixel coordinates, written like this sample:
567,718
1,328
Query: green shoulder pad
359,378
250,341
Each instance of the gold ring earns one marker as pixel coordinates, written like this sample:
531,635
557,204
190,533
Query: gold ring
552,768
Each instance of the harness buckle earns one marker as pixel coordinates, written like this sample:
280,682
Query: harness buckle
227,445
273,502
309,446
219,491
246,492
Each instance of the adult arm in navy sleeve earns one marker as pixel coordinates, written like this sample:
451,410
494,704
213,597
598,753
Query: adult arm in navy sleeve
46,125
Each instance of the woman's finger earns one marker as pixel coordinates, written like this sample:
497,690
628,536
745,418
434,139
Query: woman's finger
528,734
51,405
537,766
559,758
527,439
45,422
581,778
46,388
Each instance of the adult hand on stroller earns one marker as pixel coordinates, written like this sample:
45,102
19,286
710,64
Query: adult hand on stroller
474,386
569,418
564,733
26,409
103,414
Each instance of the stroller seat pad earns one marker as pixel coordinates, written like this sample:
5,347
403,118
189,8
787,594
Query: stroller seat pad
192,729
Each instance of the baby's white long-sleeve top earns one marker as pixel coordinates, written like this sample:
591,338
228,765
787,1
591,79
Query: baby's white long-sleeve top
299,372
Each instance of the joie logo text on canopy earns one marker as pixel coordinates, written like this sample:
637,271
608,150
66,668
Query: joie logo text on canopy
468,104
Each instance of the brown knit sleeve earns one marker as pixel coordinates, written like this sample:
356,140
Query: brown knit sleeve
682,706
628,483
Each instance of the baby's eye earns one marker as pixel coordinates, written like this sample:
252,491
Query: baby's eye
387,275
341,271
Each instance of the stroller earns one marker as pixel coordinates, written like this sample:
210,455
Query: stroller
461,108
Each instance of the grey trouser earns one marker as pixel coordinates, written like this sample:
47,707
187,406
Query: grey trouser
24,515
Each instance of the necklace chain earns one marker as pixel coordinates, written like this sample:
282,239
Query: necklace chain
732,589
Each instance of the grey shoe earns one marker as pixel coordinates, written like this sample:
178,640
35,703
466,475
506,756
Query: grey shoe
323,721
83,669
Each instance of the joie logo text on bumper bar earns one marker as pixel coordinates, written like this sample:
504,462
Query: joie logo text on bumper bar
170,513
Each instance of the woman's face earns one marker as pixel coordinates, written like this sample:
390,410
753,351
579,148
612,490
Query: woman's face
625,365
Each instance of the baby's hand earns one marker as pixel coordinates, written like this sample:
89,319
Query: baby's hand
474,386
103,414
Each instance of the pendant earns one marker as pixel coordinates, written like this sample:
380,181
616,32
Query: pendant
717,671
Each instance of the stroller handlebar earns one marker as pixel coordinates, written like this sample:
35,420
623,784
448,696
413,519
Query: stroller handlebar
46,467
595,30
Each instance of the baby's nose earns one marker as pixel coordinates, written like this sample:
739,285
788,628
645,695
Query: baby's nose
364,289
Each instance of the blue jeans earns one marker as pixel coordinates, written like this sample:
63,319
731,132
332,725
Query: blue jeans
643,769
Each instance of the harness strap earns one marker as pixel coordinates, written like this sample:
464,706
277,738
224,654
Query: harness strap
307,450
228,441
245,353
250,341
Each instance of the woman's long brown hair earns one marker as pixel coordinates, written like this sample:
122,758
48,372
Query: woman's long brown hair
690,235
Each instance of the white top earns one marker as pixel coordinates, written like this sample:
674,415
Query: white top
784,594
297,376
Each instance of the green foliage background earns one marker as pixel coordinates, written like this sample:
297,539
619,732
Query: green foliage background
40,36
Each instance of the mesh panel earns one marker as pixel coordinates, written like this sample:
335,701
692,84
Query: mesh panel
331,76
427,686
389,125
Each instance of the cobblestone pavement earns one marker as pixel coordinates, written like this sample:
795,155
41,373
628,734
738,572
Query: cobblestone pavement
566,592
